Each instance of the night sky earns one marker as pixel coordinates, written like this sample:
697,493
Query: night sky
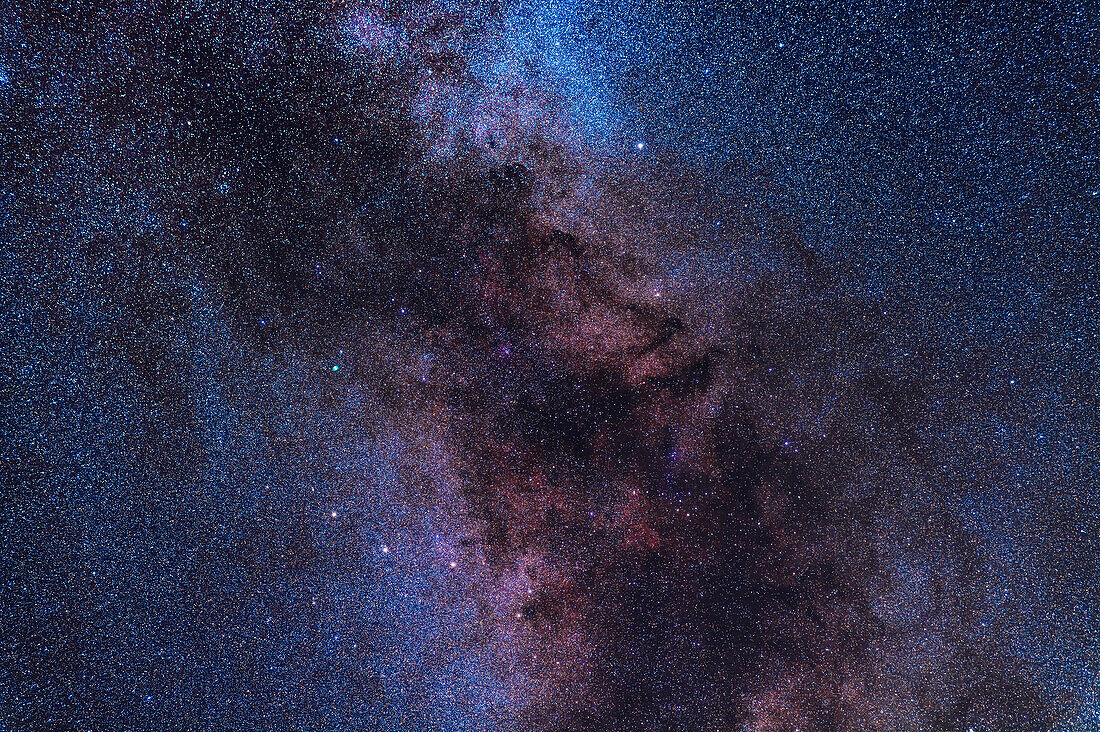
537,366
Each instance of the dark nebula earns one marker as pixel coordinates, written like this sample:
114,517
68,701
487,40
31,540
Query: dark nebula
453,366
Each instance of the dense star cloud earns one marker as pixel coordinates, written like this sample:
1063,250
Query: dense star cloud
451,366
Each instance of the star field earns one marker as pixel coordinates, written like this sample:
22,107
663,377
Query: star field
447,365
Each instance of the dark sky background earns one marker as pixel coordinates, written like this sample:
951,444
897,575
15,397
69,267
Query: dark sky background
458,366
945,159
